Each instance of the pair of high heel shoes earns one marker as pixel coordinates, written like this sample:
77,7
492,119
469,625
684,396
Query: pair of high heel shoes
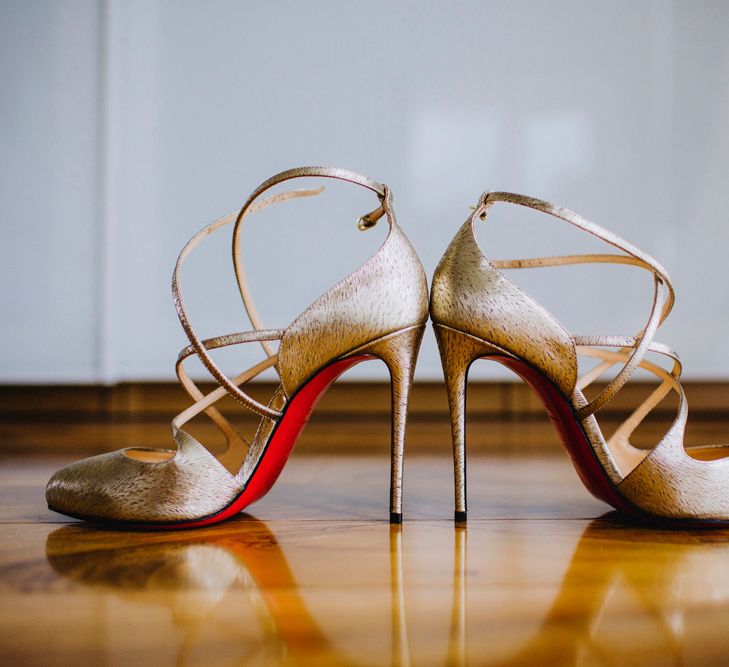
380,311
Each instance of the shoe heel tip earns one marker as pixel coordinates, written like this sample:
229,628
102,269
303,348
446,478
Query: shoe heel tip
395,517
460,517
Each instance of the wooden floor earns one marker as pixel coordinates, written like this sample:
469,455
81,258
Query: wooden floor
314,574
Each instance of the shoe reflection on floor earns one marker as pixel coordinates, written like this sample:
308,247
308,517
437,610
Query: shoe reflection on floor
627,593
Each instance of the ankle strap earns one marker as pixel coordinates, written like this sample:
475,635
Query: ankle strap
365,222
322,172
663,296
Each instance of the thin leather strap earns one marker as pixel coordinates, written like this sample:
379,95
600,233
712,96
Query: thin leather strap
564,260
578,221
233,339
670,381
624,342
195,341
232,436
663,297
645,337
209,399
365,221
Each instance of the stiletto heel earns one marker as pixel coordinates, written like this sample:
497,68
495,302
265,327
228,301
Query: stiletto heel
399,351
457,351
456,360
478,312
380,310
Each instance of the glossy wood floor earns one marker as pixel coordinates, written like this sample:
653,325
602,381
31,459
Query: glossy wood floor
314,574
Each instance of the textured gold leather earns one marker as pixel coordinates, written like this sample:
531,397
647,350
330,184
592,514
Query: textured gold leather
379,310
386,294
399,351
189,485
477,312
468,293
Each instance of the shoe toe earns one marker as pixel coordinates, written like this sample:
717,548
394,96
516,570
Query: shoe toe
119,487
76,489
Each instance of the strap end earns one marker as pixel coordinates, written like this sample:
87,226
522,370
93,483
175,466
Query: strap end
369,220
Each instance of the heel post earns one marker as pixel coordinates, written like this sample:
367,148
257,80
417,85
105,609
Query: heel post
399,351
457,351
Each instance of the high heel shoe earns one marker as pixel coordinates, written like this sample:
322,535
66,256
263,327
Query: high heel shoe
478,312
379,311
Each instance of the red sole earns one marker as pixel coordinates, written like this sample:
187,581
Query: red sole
280,444
583,457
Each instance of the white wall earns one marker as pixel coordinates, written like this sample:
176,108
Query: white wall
126,126
49,160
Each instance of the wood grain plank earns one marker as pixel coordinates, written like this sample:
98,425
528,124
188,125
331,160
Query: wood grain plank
502,415
315,575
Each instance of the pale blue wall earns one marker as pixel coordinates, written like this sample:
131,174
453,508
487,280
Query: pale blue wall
126,126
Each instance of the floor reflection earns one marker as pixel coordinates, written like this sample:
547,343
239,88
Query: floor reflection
625,594
163,569
631,595
208,565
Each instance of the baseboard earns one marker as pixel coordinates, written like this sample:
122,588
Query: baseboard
351,417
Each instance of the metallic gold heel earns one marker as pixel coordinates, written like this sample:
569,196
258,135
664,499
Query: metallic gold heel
457,351
399,351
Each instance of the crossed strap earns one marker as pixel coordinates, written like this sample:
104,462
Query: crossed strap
632,349
201,348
